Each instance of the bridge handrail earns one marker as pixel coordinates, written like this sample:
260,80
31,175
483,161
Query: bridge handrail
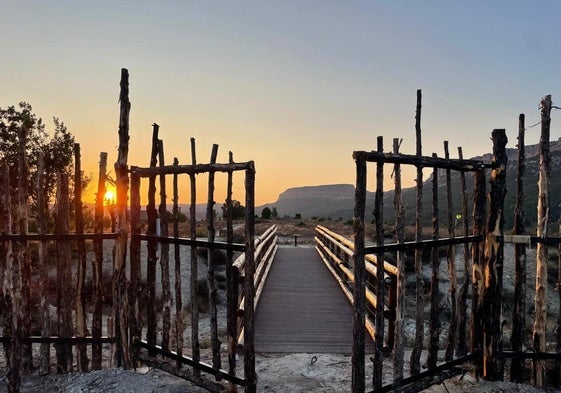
337,252
264,254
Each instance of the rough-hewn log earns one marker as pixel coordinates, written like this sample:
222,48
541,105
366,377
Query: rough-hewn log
135,270
377,375
451,257
177,269
519,307
434,322
461,317
195,346
415,363
540,315
193,169
121,349
477,279
81,273
151,213
398,351
359,310
64,287
11,293
249,287
45,356
232,277
212,292
97,267
23,255
493,362
421,161
164,255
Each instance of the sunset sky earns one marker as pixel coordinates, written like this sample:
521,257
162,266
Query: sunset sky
296,86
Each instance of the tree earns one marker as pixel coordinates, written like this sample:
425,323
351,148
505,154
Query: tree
58,150
237,210
266,213
274,213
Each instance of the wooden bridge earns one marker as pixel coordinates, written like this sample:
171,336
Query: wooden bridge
303,308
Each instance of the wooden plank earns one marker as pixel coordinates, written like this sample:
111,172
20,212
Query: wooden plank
302,308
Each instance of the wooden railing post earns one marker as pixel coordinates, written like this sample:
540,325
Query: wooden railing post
493,363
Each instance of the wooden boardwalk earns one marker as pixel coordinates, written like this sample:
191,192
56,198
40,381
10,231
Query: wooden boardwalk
302,308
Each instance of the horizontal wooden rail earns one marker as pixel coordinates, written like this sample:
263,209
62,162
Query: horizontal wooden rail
420,161
191,169
267,235
423,244
62,340
53,237
190,242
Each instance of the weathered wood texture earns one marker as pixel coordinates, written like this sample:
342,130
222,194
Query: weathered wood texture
164,254
434,319
135,270
519,308
359,311
451,259
195,346
415,362
540,315
178,322
45,355
494,254
97,267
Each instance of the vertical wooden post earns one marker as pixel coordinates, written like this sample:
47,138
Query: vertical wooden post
23,254
151,213
359,290
5,221
461,317
212,292
120,284
45,357
195,346
81,274
519,309
249,286
12,296
232,280
400,303
434,322
451,255
477,281
493,363
378,359
64,287
97,267
177,268
540,316
164,254
135,269
415,363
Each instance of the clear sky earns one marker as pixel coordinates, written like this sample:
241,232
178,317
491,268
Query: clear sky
296,86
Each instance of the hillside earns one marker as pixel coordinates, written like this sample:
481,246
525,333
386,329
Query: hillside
337,201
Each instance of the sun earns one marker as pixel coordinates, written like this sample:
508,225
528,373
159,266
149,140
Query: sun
109,197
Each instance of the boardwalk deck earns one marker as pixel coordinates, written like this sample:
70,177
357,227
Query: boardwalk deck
303,308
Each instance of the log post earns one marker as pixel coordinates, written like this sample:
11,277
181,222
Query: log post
11,294
400,302
212,292
434,323
359,290
164,255
45,357
135,269
121,348
81,274
97,267
177,268
415,363
462,310
493,363
380,283
477,281
249,286
232,279
517,371
540,316
195,346
64,287
151,213
451,256
23,251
